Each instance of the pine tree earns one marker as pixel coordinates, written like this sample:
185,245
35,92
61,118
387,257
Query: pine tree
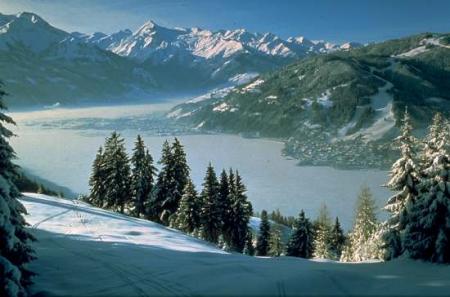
188,213
249,246
404,181
427,233
275,243
165,186
322,236
172,180
337,240
360,243
210,220
117,173
15,250
142,175
241,211
224,204
301,241
97,181
262,243
180,172
434,142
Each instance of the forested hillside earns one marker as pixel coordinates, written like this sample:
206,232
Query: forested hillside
340,102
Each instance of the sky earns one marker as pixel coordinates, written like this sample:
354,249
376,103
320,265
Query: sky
331,20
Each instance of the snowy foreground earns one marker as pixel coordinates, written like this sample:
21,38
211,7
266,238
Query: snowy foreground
85,251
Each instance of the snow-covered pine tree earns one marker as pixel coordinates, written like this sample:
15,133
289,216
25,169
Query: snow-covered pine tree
337,240
15,250
301,241
241,211
210,220
276,246
360,240
322,234
434,142
165,186
262,243
188,213
427,234
142,175
117,173
404,180
97,181
447,135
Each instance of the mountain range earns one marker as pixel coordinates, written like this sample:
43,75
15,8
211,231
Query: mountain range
42,65
337,107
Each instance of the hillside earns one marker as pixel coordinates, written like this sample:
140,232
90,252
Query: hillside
85,251
333,108
42,65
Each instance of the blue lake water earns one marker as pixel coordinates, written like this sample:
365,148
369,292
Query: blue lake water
64,156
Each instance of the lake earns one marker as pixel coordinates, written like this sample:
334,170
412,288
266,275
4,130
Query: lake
51,145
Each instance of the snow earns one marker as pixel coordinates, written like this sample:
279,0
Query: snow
178,114
413,52
252,87
435,41
211,47
422,48
219,93
385,119
29,30
254,223
160,43
222,107
200,125
85,251
76,218
324,99
243,78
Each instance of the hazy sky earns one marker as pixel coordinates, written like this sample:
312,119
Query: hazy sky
333,20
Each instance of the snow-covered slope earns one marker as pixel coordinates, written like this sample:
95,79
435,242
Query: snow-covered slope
85,251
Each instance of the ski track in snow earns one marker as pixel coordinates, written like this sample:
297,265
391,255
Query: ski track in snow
85,251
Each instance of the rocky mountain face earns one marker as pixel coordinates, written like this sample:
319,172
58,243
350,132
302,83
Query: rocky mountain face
42,65
341,108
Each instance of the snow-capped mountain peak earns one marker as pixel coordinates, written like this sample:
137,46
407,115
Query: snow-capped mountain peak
31,17
168,58
350,45
148,27
160,44
28,30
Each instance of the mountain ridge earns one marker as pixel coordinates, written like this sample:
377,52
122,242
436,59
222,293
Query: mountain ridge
42,65
334,107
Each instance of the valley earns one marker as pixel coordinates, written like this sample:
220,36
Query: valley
210,148
84,130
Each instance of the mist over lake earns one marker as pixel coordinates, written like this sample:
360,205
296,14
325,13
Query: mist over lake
60,144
